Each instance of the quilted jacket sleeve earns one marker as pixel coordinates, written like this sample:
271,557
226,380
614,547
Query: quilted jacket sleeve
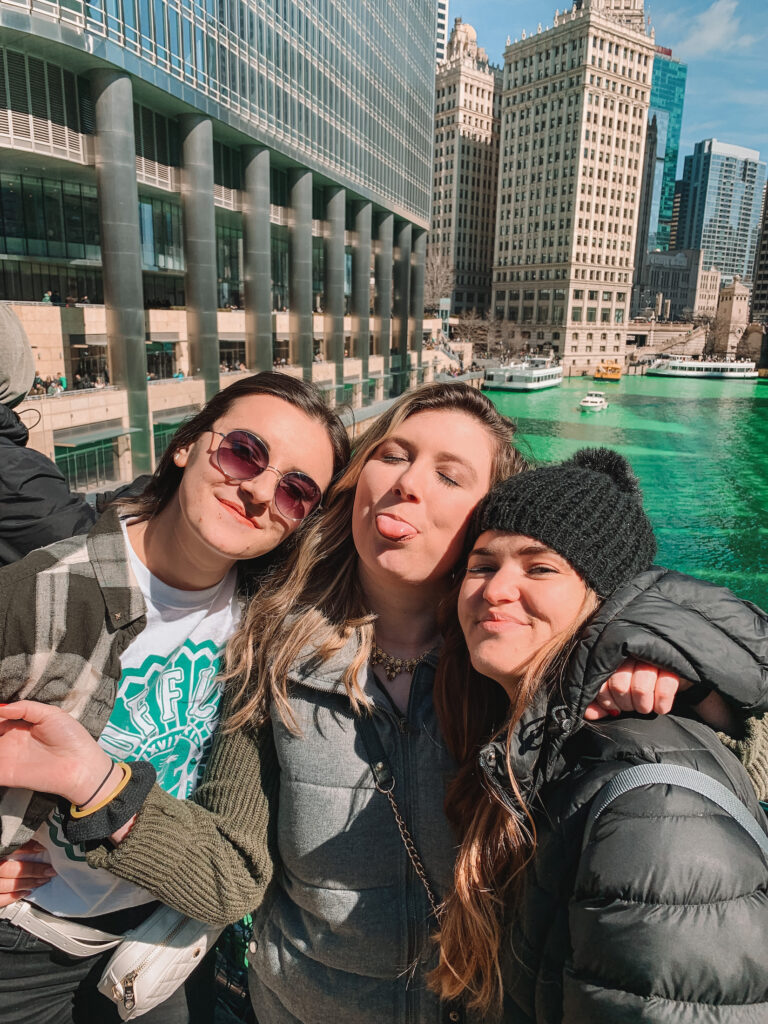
210,857
669,916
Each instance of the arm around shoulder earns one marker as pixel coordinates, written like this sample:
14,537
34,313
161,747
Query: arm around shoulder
211,857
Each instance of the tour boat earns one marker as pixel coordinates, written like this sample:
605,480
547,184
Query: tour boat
609,369
704,369
593,401
533,374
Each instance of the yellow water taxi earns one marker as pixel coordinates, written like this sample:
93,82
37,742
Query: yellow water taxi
609,369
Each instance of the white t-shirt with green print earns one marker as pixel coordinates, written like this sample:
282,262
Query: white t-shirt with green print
166,711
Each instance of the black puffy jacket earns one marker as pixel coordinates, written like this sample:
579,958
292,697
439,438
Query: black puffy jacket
36,505
664,916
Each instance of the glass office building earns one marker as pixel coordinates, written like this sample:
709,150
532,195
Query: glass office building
720,203
667,98
271,155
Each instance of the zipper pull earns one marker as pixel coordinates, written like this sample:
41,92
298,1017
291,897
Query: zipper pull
129,999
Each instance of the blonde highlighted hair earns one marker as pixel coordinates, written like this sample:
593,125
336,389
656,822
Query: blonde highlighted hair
496,844
316,596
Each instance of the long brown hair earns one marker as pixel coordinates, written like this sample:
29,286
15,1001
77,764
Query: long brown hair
166,479
316,593
496,844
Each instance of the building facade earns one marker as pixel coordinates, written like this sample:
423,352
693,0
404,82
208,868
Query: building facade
760,287
460,243
667,99
574,117
676,286
720,204
731,321
264,157
442,29
657,192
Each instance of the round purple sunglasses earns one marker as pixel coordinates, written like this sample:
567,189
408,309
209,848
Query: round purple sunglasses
242,455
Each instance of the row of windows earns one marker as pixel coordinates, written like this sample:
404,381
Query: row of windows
357,97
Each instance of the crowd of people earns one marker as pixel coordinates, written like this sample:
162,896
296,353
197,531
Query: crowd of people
52,296
370,698
58,385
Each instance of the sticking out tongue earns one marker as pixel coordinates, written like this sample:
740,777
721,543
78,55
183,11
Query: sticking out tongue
394,529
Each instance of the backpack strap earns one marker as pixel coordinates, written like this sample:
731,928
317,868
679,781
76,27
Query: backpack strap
653,773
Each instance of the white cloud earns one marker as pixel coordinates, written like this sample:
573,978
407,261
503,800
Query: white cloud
715,31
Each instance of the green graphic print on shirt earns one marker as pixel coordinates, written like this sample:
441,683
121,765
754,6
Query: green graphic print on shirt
166,712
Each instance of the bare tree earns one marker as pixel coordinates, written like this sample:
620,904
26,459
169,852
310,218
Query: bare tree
438,277
494,334
472,328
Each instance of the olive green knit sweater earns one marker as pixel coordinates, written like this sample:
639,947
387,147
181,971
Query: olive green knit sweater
221,868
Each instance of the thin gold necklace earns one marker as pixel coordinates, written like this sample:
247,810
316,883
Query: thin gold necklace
394,666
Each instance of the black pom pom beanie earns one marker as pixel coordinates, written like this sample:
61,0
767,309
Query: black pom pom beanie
588,509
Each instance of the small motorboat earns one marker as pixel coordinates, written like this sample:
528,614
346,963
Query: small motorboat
593,401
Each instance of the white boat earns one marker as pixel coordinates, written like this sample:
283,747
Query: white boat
593,401
529,375
704,369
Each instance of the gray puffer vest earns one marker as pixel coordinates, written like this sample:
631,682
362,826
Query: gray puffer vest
344,934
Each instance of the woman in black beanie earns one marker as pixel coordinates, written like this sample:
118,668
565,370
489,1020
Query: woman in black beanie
655,908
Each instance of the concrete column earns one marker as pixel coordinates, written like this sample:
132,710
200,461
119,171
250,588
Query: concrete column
417,294
335,215
382,305
300,270
402,309
257,257
115,149
361,288
199,223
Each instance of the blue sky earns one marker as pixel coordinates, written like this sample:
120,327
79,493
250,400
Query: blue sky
723,43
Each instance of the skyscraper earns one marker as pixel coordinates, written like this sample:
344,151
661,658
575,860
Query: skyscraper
760,288
574,118
467,97
442,29
667,97
720,203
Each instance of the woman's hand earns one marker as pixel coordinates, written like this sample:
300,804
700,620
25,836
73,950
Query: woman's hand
43,748
18,877
636,686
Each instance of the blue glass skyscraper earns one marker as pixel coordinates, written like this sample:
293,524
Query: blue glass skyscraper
667,98
720,206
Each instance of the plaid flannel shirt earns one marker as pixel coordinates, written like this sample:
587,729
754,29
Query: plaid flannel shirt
67,612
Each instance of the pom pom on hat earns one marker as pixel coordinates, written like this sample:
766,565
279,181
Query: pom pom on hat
604,460
588,509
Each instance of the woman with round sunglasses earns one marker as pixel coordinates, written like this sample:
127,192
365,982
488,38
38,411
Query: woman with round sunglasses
125,629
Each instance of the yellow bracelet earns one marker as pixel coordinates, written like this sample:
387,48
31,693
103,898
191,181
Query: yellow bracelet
74,812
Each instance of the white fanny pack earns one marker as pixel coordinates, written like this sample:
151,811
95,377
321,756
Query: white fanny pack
149,963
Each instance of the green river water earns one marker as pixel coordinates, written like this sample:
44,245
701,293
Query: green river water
700,450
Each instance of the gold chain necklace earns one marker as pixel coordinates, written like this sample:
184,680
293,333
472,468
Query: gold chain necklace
394,666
